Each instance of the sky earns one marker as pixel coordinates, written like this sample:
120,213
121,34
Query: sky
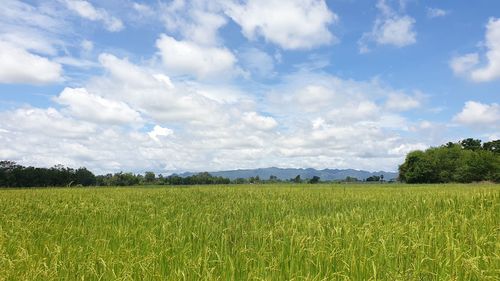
172,86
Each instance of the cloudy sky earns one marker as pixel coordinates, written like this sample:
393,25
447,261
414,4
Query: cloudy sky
170,86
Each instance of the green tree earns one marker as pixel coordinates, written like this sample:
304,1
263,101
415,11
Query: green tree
149,177
373,178
418,168
314,179
465,162
297,179
471,144
493,146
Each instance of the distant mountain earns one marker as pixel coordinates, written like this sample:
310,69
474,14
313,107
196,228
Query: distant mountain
284,174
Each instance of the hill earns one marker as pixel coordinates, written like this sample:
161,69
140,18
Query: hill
288,173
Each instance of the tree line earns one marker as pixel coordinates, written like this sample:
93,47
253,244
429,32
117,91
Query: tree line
150,178
15,175
465,161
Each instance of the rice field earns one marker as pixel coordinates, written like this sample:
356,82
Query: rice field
252,232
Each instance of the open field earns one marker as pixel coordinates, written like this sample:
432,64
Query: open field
271,232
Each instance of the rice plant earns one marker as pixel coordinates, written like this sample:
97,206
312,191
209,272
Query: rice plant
266,232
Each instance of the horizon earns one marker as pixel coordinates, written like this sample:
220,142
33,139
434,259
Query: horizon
169,173
192,86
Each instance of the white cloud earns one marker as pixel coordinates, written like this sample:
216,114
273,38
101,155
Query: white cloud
86,10
390,28
398,31
33,28
85,106
142,8
19,66
436,12
402,102
125,71
154,94
196,21
185,57
478,114
159,131
29,41
323,114
23,14
45,122
468,65
404,149
492,70
355,111
290,24
312,121
87,45
258,62
259,122
463,64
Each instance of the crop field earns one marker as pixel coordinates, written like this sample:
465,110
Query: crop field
252,232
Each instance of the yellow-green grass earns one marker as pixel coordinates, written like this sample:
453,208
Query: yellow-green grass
252,232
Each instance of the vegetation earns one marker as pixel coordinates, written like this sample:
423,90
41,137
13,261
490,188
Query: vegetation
127,179
466,161
274,232
14,175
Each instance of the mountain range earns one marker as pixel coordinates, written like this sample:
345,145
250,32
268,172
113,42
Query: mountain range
288,173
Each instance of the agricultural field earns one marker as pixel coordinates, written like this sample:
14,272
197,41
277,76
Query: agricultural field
252,232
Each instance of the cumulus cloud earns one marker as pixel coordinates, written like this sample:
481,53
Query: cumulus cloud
189,58
19,66
159,131
154,95
259,122
476,114
491,70
390,28
463,64
87,11
63,140
196,21
290,24
47,122
85,106
210,134
469,65
31,27
323,114
142,8
30,35
258,62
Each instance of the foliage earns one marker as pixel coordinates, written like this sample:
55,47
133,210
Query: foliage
297,179
350,179
493,146
244,232
14,175
373,178
465,161
314,180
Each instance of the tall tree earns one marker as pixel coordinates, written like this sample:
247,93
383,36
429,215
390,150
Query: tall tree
471,144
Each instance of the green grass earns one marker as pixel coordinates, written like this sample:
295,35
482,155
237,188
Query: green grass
271,232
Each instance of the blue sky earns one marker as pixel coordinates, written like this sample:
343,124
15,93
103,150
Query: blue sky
172,86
